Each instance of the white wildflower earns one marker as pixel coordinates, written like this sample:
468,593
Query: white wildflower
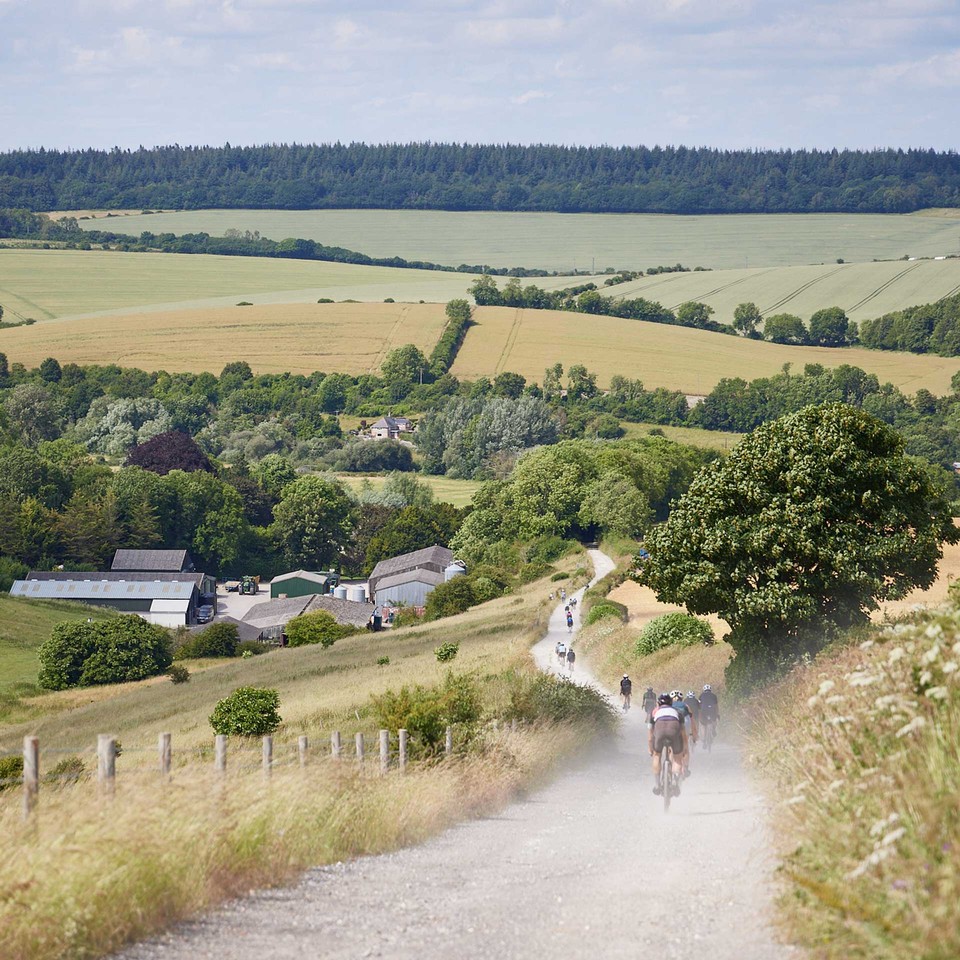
862,679
813,701
938,693
867,644
950,666
870,861
825,687
834,785
839,721
931,655
888,700
893,836
836,698
882,825
915,724
956,649
934,630
926,678
897,654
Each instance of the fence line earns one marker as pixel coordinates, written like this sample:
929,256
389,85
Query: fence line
107,752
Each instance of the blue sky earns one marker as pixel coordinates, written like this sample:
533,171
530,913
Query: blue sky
724,73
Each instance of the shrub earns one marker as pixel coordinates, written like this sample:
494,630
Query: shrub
558,576
11,772
247,712
68,770
320,627
606,608
426,712
486,589
217,640
450,598
10,570
544,697
383,661
179,674
406,617
446,651
250,648
247,655
533,571
546,549
118,650
673,630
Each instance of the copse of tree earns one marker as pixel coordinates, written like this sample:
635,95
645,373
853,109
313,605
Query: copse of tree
801,531
445,352
312,522
926,328
785,328
173,450
362,456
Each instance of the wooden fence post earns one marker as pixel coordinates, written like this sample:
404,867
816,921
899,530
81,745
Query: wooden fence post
448,744
303,744
220,753
403,751
106,763
359,742
267,755
166,754
384,751
31,774
335,746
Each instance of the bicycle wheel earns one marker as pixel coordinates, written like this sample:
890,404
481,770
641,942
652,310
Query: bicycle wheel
666,777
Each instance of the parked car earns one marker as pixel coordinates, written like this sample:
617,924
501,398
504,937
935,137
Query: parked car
204,613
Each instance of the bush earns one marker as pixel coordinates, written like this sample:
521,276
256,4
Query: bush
450,598
10,570
606,608
11,772
179,674
69,770
247,712
118,650
250,648
546,549
673,630
217,640
426,712
320,627
383,661
558,576
544,697
446,651
532,571
484,589
406,617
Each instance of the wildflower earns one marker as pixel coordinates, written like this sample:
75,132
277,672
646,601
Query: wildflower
934,630
882,825
836,698
956,649
812,702
931,655
888,700
925,678
897,654
862,679
893,836
915,724
950,666
866,645
938,693
900,885
825,687
839,721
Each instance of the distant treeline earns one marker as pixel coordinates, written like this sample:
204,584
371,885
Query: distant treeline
428,176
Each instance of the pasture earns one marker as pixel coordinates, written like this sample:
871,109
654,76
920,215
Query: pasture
445,489
564,242
693,436
355,337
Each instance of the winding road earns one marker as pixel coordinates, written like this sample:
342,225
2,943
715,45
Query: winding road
587,868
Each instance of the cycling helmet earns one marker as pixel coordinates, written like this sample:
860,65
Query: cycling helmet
706,686
665,699
676,694
690,693
626,676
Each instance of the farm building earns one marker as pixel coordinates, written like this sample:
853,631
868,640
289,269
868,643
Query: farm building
303,583
169,603
271,616
435,559
390,428
407,589
152,561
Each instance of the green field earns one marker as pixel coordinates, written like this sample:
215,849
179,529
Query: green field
445,489
558,241
694,436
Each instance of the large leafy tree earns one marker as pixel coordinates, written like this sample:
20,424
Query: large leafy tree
173,450
809,523
312,522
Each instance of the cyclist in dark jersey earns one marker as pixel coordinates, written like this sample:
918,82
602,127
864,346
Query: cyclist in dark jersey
709,709
649,702
685,715
666,729
626,689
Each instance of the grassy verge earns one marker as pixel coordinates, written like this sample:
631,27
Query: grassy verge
862,754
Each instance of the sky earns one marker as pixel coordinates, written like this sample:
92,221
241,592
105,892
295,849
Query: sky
720,73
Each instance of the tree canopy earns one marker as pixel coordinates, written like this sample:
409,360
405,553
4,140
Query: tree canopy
803,529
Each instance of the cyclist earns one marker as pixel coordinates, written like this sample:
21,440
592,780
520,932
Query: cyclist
649,702
626,689
571,659
709,708
570,623
689,724
666,728
561,651
693,705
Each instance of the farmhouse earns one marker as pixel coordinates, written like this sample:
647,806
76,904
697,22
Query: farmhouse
390,428
271,616
303,583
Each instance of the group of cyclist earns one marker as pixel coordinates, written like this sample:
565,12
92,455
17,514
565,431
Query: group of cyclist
676,721
566,658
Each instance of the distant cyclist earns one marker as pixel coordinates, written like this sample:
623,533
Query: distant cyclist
709,709
570,622
693,705
649,702
571,659
689,724
561,651
626,689
666,729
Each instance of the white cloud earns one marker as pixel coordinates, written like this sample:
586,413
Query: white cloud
529,96
514,31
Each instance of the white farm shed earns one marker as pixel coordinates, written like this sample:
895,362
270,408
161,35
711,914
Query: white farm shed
409,588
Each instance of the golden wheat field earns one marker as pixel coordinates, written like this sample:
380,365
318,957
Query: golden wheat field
274,338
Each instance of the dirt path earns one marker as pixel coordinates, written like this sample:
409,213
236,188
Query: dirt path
588,867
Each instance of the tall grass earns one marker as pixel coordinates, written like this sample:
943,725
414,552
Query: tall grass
862,748
90,874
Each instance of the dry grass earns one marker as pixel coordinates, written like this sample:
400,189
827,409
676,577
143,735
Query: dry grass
89,875
861,751
300,338
694,436
564,241
445,489
693,361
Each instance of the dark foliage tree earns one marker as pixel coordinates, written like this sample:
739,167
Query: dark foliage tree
168,451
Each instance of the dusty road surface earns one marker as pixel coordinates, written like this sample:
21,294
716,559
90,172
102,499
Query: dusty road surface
588,868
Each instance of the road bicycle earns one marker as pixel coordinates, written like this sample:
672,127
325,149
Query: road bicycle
709,734
668,781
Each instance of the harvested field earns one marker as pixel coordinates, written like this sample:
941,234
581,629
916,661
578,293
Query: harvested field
564,241
299,338
527,341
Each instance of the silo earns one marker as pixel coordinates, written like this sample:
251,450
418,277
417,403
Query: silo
356,594
454,570
340,593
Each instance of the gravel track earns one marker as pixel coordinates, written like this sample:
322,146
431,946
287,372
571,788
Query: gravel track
587,867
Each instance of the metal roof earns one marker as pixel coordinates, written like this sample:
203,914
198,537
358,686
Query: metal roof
171,561
127,575
410,561
91,590
410,576
277,613
310,575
